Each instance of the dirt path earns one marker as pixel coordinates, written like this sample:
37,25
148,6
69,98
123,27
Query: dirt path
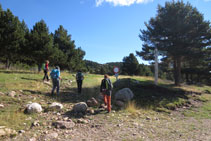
146,125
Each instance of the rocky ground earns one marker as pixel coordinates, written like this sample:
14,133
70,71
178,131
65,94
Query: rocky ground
117,125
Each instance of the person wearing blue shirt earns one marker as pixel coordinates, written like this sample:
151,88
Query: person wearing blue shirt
55,76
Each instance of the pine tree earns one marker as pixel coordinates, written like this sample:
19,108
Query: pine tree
179,31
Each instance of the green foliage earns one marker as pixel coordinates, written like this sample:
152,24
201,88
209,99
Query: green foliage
72,57
130,65
17,43
11,37
179,32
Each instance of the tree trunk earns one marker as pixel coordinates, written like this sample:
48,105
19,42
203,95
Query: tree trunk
7,64
39,67
177,71
187,77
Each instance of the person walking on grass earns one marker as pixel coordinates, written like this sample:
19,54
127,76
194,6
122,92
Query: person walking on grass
46,71
55,76
106,89
79,79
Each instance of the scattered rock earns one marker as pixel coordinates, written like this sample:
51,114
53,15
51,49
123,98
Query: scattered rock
33,108
6,131
80,107
91,111
32,139
51,136
56,106
36,123
148,118
92,102
58,114
64,124
65,118
21,131
12,94
124,95
83,121
1,106
119,103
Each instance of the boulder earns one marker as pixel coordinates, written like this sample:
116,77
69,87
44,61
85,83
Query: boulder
80,107
119,103
33,108
64,124
56,106
12,94
92,102
124,94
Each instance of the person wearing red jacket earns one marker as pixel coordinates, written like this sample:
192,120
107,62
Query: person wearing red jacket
46,71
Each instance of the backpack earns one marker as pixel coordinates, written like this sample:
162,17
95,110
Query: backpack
107,82
53,74
79,76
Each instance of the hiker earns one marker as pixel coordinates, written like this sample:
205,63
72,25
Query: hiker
55,76
106,90
46,71
79,79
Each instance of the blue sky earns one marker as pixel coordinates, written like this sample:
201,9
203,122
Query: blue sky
107,30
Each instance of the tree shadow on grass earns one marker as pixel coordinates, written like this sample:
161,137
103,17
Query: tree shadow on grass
148,95
17,71
31,79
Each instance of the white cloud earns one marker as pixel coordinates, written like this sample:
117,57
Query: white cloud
121,2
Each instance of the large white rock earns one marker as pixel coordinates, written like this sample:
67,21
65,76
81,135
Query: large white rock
56,106
34,108
80,107
124,95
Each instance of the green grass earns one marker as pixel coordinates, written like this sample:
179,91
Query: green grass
202,112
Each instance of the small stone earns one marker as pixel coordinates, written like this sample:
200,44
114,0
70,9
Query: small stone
21,131
36,123
56,106
147,118
12,94
82,121
65,119
32,139
45,132
63,124
58,114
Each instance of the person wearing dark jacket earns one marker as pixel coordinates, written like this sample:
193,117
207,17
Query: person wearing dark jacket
106,89
79,79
